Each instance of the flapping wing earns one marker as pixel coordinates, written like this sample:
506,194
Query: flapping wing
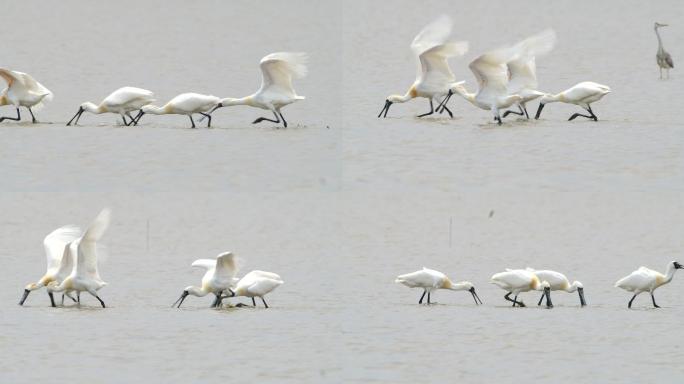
86,264
491,70
66,266
435,70
226,265
55,243
278,69
435,33
204,263
523,69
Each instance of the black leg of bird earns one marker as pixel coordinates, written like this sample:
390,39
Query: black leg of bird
253,302
208,116
654,303
11,118
192,121
33,118
283,119
540,299
259,120
100,300
444,108
421,298
264,301
630,302
432,110
52,299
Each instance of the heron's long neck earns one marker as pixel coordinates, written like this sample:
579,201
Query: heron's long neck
660,41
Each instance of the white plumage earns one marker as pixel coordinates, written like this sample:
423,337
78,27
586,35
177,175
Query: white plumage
434,77
559,282
184,104
430,280
257,284
276,91
219,277
647,280
22,91
582,94
123,101
516,281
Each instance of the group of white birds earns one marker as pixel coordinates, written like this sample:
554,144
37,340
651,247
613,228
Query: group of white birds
516,281
506,76
276,91
72,267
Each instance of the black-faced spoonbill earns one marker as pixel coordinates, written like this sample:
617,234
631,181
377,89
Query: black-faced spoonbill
256,284
491,72
431,280
558,282
220,277
85,276
515,281
647,280
523,69
663,58
22,91
123,101
434,76
184,104
277,71
582,94
59,262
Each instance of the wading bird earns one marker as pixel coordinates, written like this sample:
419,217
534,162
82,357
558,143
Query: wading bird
184,104
491,72
434,77
515,281
558,282
220,277
582,94
123,101
59,259
431,280
277,71
84,276
663,58
255,284
523,69
22,91
647,280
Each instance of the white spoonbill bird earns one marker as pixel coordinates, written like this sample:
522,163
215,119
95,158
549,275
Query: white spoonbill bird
184,104
123,101
22,91
220,277
582,94
277,71
647,280
515,281
663,58
59,260
256,284
558,282
434,77
431,280
85,276
491,72
523,69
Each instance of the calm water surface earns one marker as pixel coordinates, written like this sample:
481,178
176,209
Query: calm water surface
342,202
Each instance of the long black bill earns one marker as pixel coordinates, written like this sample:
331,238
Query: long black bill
24,296
140,115
180,299
77,115
385,109
444,100
475,296
541,106
52,299
547,292
580,292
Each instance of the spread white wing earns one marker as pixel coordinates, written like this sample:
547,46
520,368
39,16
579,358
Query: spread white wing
23,83
491,71
56,241
86,261
523,69
278,69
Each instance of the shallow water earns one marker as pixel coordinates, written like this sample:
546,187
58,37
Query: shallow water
342,202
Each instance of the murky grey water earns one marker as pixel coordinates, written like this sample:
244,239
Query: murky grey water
341,202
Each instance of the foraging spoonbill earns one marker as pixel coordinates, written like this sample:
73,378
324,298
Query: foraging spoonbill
123,101
59,260
523,69
515,281
558,282
277,71
491,72
256,284
22,91
647,280
85,276
220,277
663,58
431,280
434,77
184,104
582,94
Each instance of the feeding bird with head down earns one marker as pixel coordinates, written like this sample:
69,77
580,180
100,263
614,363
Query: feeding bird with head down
122,102
255,284
516,281
430,280
434,77
582,94
218,278
559,282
